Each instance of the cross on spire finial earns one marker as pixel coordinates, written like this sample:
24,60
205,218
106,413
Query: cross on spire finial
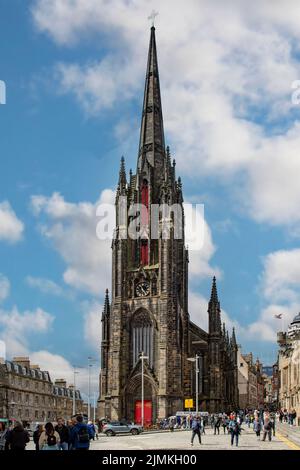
152,16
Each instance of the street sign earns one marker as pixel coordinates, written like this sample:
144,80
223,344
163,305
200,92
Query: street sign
188,403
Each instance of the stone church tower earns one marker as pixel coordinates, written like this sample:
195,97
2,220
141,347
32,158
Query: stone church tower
149,308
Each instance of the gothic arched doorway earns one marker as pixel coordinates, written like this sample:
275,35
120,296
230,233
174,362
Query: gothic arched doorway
132,398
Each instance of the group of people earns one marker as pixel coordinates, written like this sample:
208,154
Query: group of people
75,435
286,416
231,424
261,421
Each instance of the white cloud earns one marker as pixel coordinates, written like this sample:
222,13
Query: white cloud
11,228
60,368
225,78
16,327
46,286
281,276
199,260
72,230
4,287
92,324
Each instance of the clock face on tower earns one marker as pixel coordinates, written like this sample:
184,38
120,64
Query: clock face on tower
142,289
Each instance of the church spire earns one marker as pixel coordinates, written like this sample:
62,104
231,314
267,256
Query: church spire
106,307
105,318
152,141
214,310
214,292
122,175
233,338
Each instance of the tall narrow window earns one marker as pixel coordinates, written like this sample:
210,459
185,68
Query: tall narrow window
144,223
142,334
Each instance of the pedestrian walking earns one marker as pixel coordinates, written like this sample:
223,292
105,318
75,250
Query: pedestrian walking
49,439
17,438
3,436
172,424
217,425
96,431
267,428
36,435
235,430
224,423
196,428
64,434
91,430
202,425
273,421
80,437
257,427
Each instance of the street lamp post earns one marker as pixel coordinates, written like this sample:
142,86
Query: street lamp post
91,360
94,407
196,361
142,357
74,391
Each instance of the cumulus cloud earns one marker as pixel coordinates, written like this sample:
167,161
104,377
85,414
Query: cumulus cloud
92,324
4,287
60,368
16,327
71,228
11,228
226,83
46,286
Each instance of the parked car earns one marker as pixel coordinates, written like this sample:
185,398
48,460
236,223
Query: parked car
117,427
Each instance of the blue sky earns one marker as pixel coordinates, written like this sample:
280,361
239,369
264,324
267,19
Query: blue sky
74,78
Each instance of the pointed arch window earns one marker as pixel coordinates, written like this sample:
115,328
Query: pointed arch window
142,334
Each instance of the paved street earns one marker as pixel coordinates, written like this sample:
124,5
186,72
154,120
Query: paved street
181,440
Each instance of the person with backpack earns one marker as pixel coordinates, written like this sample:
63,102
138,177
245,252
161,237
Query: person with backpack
196,428
235,430
63,432
49,439
80,436
17,438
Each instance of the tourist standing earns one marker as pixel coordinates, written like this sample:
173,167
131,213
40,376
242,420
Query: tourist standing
64,435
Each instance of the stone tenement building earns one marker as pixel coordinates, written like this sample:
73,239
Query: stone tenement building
149,308
28,395
289,367
251,382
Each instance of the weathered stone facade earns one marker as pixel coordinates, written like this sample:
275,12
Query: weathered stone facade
289,367
27,393
149,308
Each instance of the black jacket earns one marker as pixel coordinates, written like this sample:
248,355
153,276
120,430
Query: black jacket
18,438
63,432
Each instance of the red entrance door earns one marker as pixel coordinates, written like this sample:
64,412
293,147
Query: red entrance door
147,412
